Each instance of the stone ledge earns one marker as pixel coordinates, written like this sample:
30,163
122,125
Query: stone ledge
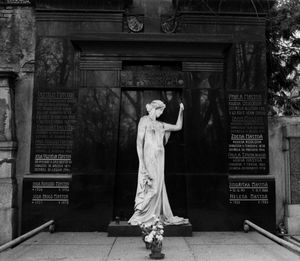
125,230
8,145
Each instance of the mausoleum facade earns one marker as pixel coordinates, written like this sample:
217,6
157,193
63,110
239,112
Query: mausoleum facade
75,77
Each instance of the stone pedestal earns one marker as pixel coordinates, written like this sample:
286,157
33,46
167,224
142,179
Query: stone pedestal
292,218
123,229
8,187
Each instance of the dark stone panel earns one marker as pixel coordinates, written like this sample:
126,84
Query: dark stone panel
205,130
215,6
55,64
65,28
83,4
252,199
210,208
89,205
250,66
99,79
207,202
95,136
230,68
295,170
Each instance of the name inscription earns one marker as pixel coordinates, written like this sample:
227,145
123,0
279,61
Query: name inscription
50,192
249,191
248,137
52,134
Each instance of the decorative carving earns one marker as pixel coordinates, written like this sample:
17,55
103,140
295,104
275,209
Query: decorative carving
152,79
16,2
169,24
135,23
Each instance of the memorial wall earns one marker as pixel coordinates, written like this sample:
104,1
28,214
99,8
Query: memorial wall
91,88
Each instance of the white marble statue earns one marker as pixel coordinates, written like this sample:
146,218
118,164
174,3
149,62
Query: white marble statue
151,196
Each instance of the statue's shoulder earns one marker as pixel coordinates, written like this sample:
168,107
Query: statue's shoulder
143,120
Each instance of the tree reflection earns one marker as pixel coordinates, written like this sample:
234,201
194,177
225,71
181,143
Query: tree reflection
96,132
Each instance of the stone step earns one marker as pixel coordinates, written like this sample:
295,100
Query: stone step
123,229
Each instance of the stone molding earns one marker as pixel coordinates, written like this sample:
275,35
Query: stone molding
200,18
95,63
217,66
43,15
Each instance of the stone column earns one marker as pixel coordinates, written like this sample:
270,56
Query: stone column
8,145
291,144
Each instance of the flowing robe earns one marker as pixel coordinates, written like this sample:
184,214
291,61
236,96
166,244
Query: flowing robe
151,196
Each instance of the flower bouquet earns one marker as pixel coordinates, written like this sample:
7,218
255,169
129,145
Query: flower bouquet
146,230
153,235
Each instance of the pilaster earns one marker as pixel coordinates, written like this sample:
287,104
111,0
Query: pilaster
8,145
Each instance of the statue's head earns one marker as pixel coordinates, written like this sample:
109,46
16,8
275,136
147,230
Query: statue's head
156,107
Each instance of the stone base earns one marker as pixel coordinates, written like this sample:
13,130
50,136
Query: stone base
292,219
123,229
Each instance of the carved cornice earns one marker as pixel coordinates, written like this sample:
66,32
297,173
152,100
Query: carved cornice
198,18
95,63
79,15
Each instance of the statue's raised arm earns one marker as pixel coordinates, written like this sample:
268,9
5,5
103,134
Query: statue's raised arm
179,122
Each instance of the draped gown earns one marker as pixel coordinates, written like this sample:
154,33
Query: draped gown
151,198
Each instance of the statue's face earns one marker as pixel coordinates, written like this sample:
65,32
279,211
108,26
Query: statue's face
159,112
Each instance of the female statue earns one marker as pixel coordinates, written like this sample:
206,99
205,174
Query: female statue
151,196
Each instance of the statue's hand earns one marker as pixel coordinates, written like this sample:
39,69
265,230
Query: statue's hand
181,106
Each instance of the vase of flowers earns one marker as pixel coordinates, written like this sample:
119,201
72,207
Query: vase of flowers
146,229
155,238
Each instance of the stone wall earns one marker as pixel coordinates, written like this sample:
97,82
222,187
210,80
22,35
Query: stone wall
280,160
17,52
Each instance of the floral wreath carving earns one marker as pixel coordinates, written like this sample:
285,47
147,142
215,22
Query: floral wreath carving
169,24
134,24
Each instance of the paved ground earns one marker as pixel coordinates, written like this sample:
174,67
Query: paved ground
204,246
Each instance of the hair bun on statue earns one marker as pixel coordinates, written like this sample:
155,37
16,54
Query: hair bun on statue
149,107
155,104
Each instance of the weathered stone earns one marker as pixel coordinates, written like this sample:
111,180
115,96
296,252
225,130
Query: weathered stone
8,224
7,193
295,170
7,160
